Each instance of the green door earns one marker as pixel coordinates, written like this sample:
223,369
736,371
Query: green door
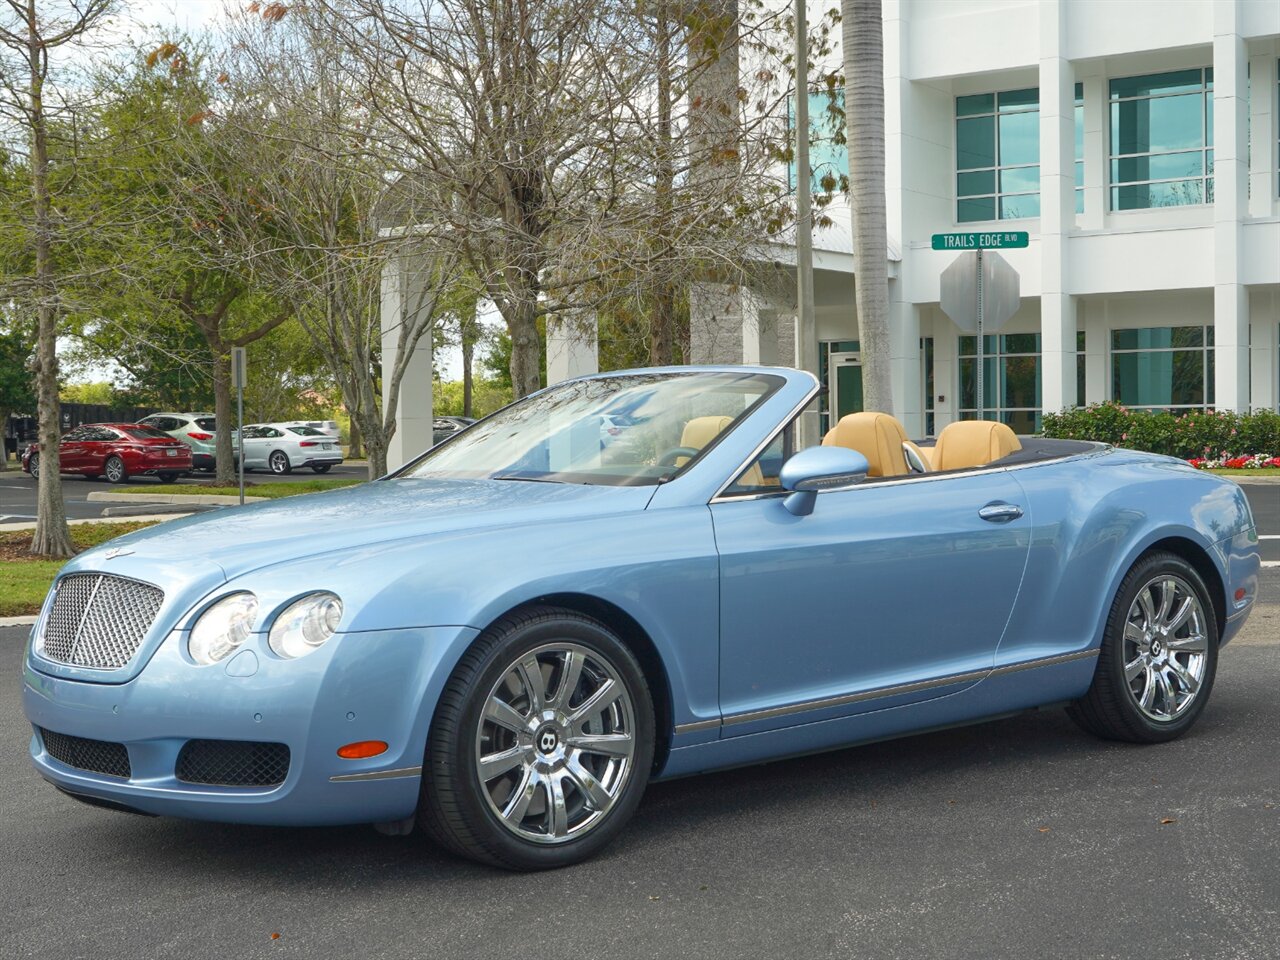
848,385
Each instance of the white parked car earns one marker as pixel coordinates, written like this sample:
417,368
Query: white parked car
327,427
282,447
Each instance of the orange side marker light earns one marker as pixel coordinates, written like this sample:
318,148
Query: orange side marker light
362,749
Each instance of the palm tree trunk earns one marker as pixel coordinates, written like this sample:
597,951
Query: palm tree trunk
863,48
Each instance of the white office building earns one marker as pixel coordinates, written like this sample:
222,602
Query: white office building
1137,142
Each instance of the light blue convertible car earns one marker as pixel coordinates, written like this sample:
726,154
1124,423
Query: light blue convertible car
507,639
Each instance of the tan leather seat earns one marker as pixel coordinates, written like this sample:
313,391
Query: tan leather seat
973,443
877,436
701,431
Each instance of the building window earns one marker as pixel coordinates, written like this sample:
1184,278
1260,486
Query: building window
1079,148
828,158
1011,380
926,377
998,156
1163,368
1162,140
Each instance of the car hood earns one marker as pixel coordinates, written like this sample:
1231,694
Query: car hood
259,535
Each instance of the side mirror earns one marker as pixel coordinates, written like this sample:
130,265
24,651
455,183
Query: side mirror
820,468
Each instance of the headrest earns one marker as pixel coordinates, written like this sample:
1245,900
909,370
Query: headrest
877,436
700,431
973,443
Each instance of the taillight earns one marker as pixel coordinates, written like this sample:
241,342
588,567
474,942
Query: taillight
200,436
308,443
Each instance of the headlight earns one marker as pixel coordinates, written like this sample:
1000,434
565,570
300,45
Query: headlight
222,628
305,625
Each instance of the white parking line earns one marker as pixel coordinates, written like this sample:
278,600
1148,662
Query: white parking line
1261,536
1268,563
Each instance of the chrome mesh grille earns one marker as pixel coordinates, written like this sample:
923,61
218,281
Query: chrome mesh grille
97,620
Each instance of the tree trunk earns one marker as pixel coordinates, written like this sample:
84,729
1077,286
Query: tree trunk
526,347
4,439
662,319
224,411
353,447
51,537
468,356
863,50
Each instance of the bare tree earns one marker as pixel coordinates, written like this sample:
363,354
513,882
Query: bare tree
863,50
30,101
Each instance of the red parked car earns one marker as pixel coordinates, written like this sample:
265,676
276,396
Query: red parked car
116,451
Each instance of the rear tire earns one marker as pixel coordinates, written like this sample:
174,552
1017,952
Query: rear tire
114,470
322,467
1159,655
33,465
549,794
167,477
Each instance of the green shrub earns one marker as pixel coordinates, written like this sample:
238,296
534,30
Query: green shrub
1191,435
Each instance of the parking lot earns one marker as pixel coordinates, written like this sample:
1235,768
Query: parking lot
1018,838
18,490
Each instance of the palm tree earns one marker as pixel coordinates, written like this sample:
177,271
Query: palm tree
863,49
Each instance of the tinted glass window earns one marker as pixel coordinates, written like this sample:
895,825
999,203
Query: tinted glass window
148,433
306,431
254,433
207,423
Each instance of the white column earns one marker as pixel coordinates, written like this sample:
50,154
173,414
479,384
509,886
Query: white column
759,329
1230,138
572,347
1262,352
1263,126
1097,382
1095,153
946,371
403,296
715,324
1057,211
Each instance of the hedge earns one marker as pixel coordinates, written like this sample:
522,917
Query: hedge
1194,435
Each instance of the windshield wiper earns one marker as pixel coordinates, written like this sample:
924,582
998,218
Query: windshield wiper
516,476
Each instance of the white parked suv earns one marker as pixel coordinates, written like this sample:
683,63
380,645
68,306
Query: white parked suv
197,430
282,447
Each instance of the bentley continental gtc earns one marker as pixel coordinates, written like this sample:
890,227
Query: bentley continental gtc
505,640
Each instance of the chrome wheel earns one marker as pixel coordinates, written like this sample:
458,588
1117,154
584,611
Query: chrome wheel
555,743
279,463
114,469
1165,648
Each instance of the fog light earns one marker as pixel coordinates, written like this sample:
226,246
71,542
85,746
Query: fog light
362,749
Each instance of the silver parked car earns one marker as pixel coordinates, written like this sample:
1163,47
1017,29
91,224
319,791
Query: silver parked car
327,427
199,431
281,448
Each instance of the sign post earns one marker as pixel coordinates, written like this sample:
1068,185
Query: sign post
239,372
979,290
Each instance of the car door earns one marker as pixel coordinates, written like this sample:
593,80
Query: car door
891,592
253,441
73,450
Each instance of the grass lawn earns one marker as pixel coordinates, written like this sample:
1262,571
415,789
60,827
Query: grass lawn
24,580
288,488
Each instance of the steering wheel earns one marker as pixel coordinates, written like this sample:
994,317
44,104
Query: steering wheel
669,458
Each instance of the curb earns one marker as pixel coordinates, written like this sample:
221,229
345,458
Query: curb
17,621
19,527
99,496
1255,481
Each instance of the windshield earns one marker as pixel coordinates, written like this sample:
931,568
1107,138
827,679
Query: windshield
631,430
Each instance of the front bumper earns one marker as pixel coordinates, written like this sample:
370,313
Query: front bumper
380,685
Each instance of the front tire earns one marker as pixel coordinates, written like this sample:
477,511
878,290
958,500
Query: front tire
1159,655
541,745
279,463
114,470
33,465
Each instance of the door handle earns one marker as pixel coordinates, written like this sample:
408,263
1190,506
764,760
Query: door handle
1000,512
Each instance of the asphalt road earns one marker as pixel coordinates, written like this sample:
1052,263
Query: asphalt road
18,490
1019,838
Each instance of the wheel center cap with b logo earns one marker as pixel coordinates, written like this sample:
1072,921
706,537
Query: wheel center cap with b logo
547,740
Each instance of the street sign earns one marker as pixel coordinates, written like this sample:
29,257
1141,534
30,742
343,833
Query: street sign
979,292
958,294
986,240
239,368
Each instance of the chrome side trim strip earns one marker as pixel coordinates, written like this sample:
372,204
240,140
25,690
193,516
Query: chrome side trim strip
695,727
377,775
881,692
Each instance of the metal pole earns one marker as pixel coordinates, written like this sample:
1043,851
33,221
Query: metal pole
240,434
982,361
806,325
